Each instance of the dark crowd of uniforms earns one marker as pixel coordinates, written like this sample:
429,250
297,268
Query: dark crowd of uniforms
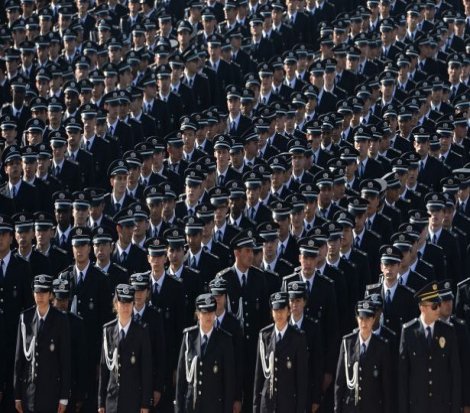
140,129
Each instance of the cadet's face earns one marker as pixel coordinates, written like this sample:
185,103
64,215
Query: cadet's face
81,253
6,239
43,237
244,257
42,299
175,255
270,248
390,270
446,308
24,238
206,320
365,325
308,264
297,306
102,251
124,310
194,240
157,263
436,218
140,297
281,316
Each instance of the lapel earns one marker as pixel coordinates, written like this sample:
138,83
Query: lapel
271,344
115,337
35,323
9,271
211,342
355,349
421,336
197,343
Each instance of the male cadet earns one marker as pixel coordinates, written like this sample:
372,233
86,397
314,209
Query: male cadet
226,321
255,210
90,301
206,263
206,370
102,248
167,294
67,172
24,234
192,285
382,330
24,196
428,368
463,337
42,361
406,275
193,191
399,306
223,231
288,247
268,231
321,305
324,181
435,203
248,301
125,253
58,258
118,198
15,296
367,168
61,300
224,171
154,201
237,203
363,238
363,380
148,316
312,219
297,291
352,254
63,217
375,221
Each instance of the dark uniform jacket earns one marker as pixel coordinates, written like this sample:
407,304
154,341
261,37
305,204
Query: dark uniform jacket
374,384
429,376
127,388
211,388
288,392
40,388
462,300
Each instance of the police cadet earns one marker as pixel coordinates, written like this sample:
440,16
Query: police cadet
463,338
281,375
321,305
167,295
226,321
148,317
15,296
61,290
125,376
429,370
248,301
89,300
363,378
42,361
297,291
206,371
399,306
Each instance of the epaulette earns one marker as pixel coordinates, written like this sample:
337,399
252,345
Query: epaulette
389,330
384,339
437,246
268,327
427,263
456,154
373,286
194,270
86,151
298,269
405,200
408,288
457,321
445,323
420,276
174,278
351,334
312,319
224,271
375,233
411,322
187,329
360,252
110,323
288,263
463,282
120,267
137,121
453,233
104,138
61,250
459,231
386,217
100,270
15,254
223,246
72,161
465,217
324,277
225,332
202,74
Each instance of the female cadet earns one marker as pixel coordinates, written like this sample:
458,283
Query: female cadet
205,379
363,376
125,384
281,376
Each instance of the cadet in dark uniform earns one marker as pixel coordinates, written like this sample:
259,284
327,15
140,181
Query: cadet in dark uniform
281,375
148,317
248,300
363,378
462,300
61,289
429,369
298,299
463,338
226,321
42,361
125,378
89,300
205,378
15,296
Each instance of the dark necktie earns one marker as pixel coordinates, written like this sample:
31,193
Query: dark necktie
388,300
156,289
363,351
117,206
63,239
308,288
279,337
357,242
243,281
218,323
41,326
2,274
80,280
282,249
123,257
204,345
137,317
123,335
57,170
13,192
88,145
429,336
221,180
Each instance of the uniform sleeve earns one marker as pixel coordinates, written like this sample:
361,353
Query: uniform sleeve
19,364
181,383
103,378
387,382
456,385
259,380
158,355
403,373
340,382
229,376
65,358
316,364
332,329
146,370
302,373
